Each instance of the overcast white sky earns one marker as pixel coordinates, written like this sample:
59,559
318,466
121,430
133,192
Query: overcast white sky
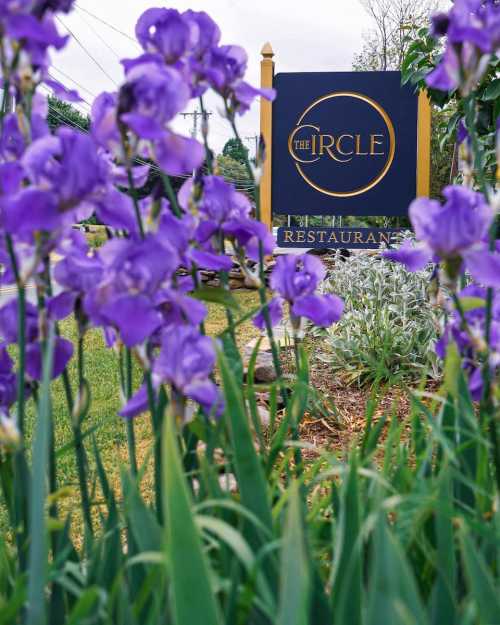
320,35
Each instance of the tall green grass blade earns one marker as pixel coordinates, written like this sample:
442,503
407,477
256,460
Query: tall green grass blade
393,597
468,438
250,475
230,536
347,565
443,610
38,551
85,605
188,566
143,523
295,575
484,588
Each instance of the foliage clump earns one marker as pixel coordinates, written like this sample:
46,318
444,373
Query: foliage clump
388,330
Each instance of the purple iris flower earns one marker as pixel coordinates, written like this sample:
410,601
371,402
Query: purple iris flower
484,266
413,257
451,231
227,67
11,177
177,308
296,279
13,141
104,127
469,342
167,32
63,351
132,273
219,201
251,235
78,272
62,92
446,76
469,21
178,155
439,24
56,162
226,211
295,276
62,6
67,174
37,7
275,311
208,32
9,322
177,232
116,210
186,361
196,65
36,34
151,97
473,34
61,306
244,94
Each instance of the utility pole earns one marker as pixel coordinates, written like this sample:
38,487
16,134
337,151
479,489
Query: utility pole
195,115
255,139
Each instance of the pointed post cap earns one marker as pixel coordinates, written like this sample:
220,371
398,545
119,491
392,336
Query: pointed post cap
267,51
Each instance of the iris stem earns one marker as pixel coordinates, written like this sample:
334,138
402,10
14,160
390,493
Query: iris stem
77,434
130,422
156,411
169,190
137,209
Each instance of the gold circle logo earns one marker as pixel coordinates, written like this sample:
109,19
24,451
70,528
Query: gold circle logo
337,147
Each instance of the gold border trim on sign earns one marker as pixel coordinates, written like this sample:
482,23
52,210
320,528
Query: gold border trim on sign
392,140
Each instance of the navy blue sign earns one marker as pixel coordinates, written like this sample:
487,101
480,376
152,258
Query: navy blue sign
344,144
337,238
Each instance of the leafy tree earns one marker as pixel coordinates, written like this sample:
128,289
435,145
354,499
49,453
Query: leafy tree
63,114
449,108
234,171
235,149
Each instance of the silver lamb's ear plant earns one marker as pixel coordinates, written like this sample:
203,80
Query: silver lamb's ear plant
389,327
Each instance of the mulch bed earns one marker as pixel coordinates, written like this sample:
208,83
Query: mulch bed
338,422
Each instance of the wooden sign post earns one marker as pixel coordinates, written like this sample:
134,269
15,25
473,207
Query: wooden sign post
266,131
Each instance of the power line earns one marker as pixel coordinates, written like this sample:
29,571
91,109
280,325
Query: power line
100,38
87,52
99,19
80,86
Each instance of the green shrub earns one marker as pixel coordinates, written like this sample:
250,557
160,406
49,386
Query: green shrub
388,329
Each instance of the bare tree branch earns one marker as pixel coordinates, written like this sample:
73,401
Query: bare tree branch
386,43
